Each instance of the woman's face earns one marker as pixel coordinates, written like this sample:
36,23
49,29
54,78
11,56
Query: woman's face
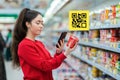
36,26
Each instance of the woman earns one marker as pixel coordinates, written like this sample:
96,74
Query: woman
30,54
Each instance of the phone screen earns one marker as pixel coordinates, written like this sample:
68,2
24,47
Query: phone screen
62,36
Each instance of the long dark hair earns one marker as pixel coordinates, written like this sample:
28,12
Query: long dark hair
20,30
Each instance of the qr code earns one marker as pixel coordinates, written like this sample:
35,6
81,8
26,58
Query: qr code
79,20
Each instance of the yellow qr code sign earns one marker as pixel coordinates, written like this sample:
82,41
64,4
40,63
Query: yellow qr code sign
78,20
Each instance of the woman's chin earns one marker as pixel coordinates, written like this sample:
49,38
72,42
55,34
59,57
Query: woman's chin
38,33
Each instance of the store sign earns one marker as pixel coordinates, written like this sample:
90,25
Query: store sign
78,20
8,18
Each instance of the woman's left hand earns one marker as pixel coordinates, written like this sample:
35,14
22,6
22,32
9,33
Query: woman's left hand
60,46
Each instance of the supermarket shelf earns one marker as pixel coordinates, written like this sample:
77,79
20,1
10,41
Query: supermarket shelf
61,30
93,28
74,69
100,46
98,66
105,27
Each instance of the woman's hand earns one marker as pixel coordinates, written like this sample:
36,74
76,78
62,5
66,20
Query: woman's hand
60,46
68,50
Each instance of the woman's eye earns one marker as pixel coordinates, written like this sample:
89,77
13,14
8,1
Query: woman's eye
37,23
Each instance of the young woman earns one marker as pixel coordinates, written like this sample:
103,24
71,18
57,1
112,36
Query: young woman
30,54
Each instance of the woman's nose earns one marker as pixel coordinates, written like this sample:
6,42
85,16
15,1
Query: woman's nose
41,26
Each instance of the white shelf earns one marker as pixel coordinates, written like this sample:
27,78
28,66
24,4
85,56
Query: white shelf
93,28
105,27
117,50
98,66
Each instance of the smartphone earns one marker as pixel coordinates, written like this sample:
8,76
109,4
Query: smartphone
62,36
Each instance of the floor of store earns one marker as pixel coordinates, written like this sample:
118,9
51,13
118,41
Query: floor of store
13,74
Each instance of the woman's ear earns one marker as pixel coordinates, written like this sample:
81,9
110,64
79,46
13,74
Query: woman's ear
27,24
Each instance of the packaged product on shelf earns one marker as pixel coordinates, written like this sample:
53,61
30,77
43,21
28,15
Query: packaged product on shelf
90,36
118,45
113,20
113,62
104,58
84,55
93,54
86,36
118,13
113,41
118,66
80,51
118,34
77,33
99,56
108,59
95,72
115,37
102,17
88,52
113,10
95,36
106,14
103,36
118,8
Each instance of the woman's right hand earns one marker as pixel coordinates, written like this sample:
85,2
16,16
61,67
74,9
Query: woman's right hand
68,50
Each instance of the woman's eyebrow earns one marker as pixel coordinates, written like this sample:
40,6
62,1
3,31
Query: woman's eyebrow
39,20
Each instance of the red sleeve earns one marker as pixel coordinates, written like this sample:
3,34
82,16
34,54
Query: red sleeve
28,53
56,54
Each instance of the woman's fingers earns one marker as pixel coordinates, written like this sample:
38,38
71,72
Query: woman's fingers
71,49
58,45
61,42
75,45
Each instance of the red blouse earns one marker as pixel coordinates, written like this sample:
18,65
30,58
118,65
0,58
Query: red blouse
35,60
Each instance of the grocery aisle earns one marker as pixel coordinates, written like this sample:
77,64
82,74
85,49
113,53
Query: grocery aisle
97,56
13,74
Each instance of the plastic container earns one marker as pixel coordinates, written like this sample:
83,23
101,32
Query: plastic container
72,41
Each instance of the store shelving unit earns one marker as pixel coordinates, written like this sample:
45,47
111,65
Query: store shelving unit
97,66
105,27
100,46
93,28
